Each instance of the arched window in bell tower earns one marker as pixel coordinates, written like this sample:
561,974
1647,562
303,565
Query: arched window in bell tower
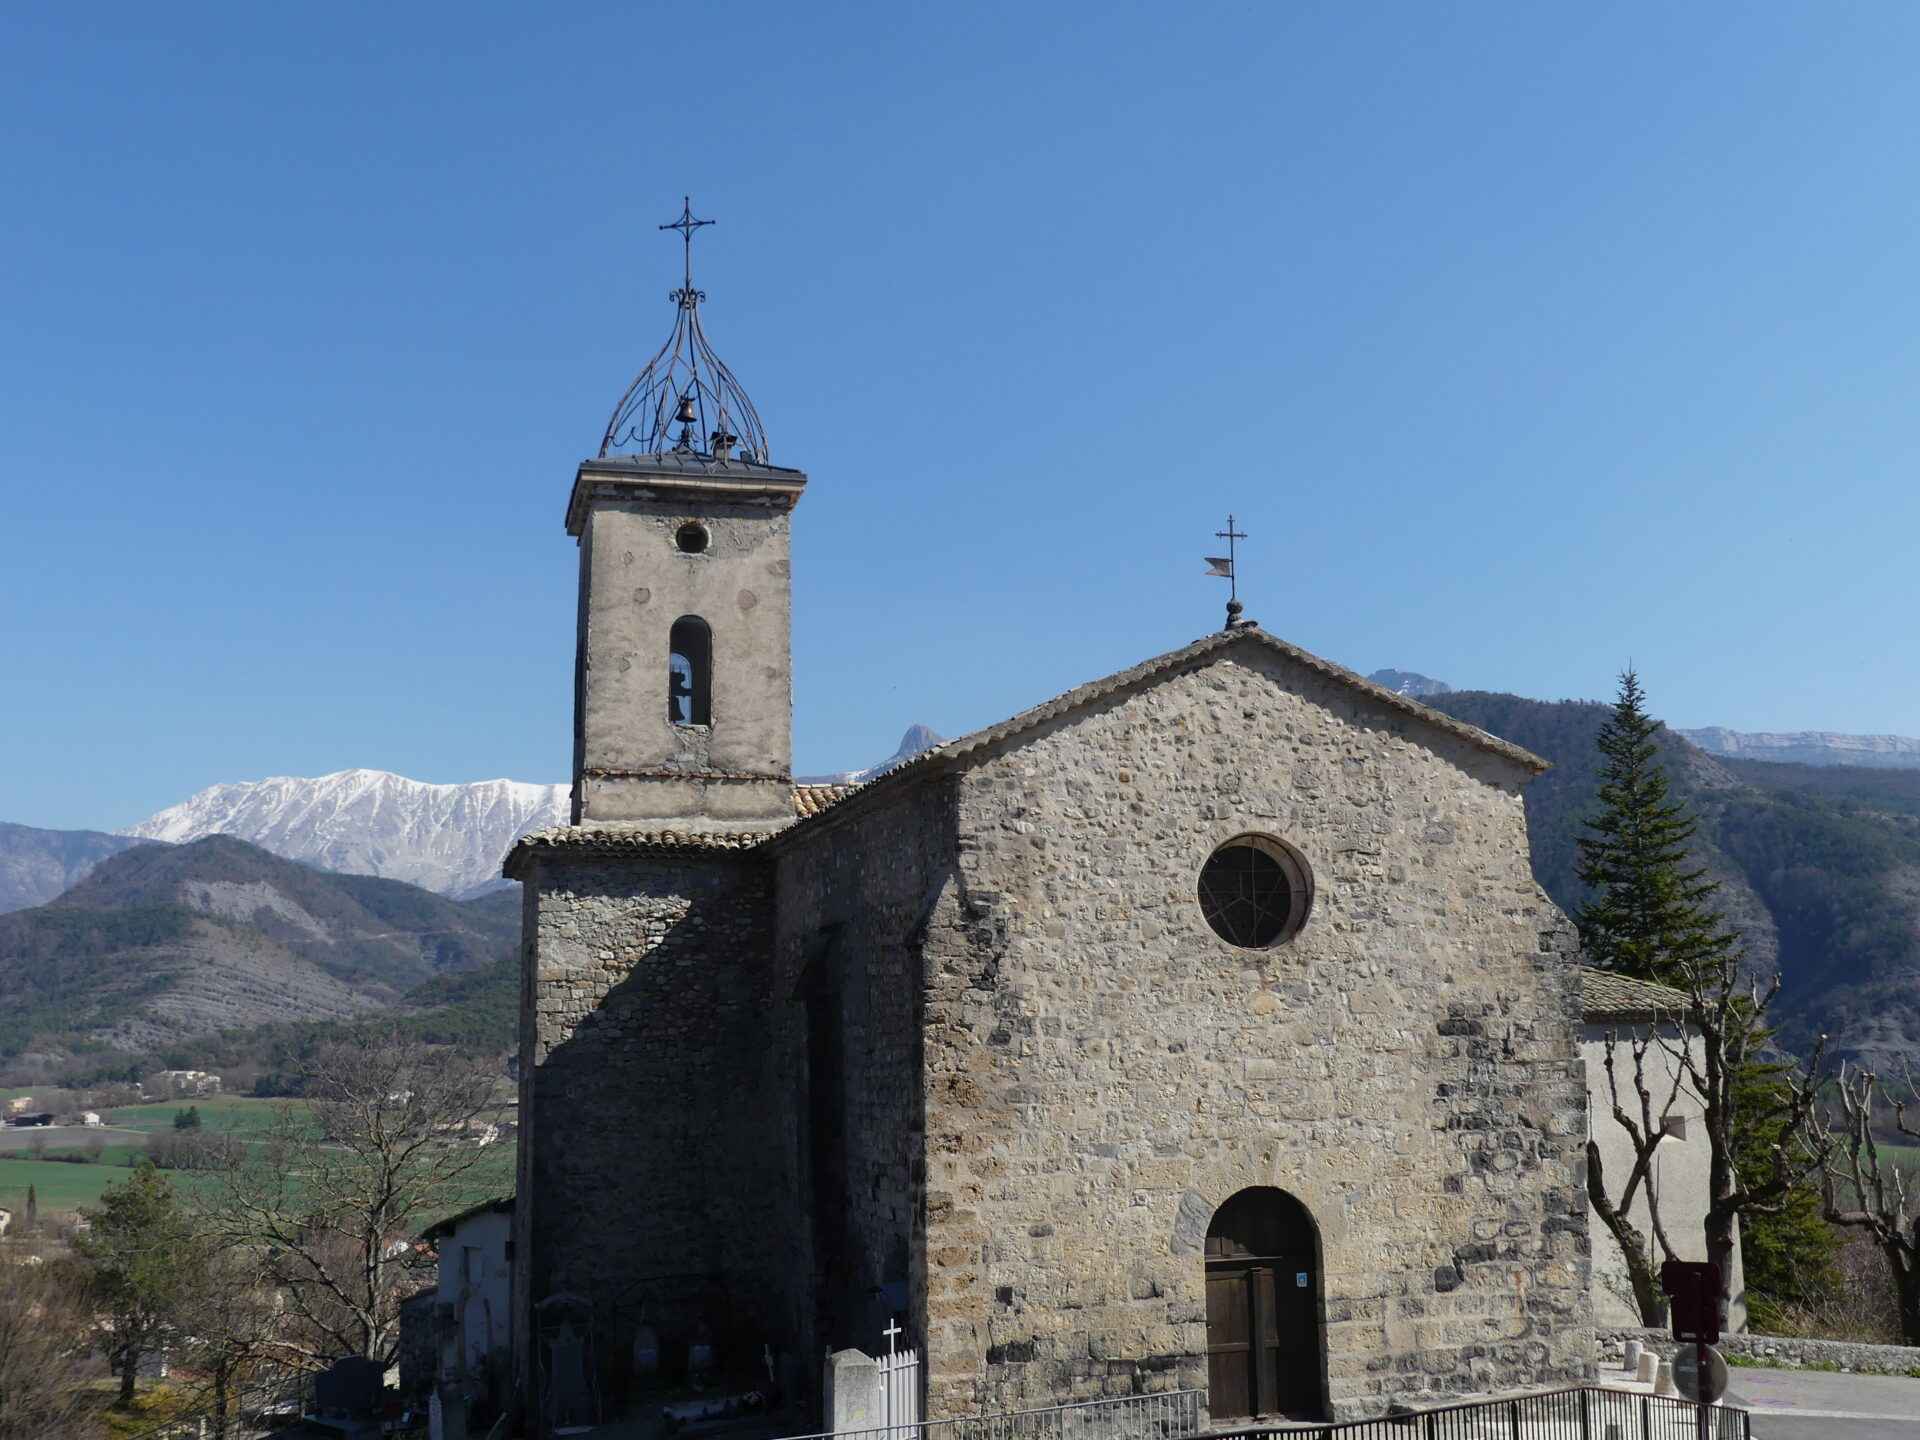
690,672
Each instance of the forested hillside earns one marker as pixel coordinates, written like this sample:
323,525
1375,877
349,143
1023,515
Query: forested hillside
164,945
1820,864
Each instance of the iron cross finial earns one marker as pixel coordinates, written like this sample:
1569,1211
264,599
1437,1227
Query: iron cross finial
1226,566
686,225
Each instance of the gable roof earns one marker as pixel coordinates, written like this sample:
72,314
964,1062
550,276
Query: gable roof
501,1206
1204,647
954,753
1608,995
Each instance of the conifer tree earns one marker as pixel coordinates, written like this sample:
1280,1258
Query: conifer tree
1648,915
140,1255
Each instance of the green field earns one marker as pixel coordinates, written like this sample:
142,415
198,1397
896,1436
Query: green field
61,1188
220,1112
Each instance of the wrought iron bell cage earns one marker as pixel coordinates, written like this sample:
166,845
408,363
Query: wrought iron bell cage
686,402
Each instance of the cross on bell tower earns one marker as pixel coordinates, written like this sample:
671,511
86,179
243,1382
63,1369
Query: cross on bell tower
686,225
683,680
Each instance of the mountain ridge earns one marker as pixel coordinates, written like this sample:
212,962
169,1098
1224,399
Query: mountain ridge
36,864
162,943
446,838
1809,747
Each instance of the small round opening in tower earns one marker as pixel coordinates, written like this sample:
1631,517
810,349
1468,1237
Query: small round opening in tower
1255,891
692,538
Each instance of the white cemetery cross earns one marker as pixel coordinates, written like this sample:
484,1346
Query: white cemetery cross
893,1333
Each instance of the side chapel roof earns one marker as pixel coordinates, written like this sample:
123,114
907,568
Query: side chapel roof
814,801
1608,995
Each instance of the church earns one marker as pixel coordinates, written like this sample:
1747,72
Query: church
1200,1029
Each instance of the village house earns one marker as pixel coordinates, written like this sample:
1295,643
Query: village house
470,1318
1619,1012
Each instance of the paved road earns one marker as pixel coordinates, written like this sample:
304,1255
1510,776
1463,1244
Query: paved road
1816,1405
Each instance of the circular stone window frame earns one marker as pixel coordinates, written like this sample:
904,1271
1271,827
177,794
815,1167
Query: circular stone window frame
695,531
1293,866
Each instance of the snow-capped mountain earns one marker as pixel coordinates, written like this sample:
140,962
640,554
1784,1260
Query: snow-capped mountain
448,838
1410,683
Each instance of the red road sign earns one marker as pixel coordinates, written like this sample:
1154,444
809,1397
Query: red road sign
1698,1299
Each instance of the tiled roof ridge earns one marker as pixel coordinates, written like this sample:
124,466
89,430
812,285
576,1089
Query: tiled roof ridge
963,746
811,799
1605,993
808,800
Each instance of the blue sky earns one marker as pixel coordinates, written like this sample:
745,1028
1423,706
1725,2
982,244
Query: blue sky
1524,341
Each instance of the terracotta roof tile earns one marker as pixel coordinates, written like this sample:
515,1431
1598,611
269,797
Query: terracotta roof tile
810,800
1605,995
625,840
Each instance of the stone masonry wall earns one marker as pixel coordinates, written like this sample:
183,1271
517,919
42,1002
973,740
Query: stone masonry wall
1103,1072
643,1160
855,897
1786,1352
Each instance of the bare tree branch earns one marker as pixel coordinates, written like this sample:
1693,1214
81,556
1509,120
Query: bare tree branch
388,1137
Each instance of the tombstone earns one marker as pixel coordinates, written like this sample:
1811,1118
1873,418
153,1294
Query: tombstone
646,1354
789,1376
348,1388
699,1354
1632,1362
569,1395
565,1323
853,1399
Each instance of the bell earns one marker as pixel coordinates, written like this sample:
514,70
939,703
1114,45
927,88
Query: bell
686,415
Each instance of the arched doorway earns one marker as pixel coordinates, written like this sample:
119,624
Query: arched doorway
1263,1307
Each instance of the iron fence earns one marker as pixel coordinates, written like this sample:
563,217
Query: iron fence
1585,1413
1171,1415
1581,1413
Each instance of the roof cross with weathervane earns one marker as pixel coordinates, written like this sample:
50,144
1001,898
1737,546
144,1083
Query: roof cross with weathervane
1223,565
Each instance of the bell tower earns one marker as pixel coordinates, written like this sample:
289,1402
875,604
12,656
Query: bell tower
683,680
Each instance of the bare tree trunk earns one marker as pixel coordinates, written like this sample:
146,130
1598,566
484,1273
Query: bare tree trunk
129,1370
1644,1132
1634,1250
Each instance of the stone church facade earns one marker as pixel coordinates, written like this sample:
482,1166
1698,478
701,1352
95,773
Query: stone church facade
1201,1028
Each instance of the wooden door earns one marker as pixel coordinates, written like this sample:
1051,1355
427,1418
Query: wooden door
1263,1308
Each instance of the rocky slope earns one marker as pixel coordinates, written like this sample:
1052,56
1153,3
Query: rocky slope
36,865
1810,747
162,943
448,838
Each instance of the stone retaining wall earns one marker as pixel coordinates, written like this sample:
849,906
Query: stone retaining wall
1788,1352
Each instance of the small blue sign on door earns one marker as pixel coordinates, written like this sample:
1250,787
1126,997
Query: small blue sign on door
1300,1280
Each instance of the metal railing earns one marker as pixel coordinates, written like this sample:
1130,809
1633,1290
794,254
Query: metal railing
1171,1415
1582,1413
1585,1413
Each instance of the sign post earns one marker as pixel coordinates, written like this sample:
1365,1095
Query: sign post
1698,1310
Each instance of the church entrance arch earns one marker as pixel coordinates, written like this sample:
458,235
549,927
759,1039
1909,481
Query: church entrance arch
1263,1307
